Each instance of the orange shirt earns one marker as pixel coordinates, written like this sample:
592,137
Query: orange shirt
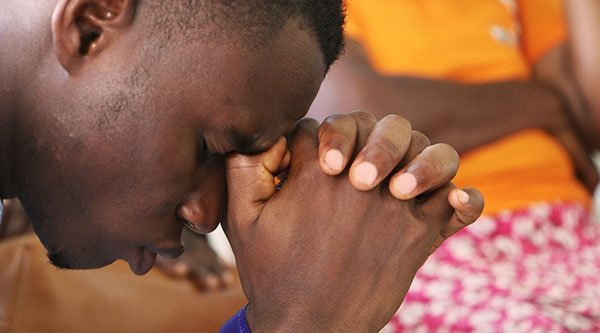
477,41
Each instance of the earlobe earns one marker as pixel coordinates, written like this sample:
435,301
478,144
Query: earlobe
81,29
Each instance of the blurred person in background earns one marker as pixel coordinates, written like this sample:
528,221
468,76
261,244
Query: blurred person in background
493,78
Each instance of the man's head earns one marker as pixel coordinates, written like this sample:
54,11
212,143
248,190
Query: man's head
131,104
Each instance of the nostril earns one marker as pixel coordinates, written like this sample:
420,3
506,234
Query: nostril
193,215
192,227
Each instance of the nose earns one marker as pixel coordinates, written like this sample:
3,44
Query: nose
194,212
205,206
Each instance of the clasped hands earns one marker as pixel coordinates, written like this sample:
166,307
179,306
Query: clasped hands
336,248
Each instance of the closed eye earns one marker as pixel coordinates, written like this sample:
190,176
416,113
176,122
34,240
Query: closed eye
204,152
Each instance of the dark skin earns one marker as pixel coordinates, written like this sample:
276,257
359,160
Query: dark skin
111,148
199,263
256,213
466,115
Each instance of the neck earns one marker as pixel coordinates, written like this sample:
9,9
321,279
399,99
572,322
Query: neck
8,88
7,131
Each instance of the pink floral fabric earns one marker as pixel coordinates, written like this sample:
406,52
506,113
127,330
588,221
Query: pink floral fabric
534,270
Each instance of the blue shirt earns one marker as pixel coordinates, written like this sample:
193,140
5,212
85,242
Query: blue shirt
237,324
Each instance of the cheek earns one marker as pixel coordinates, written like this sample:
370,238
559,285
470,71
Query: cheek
117,188
152,179
84,242
126,199
217,200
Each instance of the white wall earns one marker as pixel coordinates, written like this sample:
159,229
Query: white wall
219,243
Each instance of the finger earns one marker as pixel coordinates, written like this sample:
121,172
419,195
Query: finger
228,278
468,205
434,210
386,146
434,167
285,162
365,122
418,143
173,268
304,145
250,182
221,272
205,280
337,137
224,273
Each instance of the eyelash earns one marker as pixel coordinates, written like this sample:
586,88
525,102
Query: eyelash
204,151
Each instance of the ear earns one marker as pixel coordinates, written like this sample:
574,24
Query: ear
81,29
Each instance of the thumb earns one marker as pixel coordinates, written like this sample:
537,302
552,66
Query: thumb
468,205
304,145
250,183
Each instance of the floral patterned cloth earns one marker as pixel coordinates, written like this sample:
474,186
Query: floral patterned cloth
534,270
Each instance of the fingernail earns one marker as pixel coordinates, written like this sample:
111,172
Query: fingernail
462,196
334,160
366,173
405,184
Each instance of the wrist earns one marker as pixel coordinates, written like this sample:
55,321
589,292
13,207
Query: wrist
274,319
295,320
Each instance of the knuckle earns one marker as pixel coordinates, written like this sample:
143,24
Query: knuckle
447,150
429,168
476,200
387,149
326,131
419,140
336,118
468,218
422,230
308,124
362,117
337,127
442,158
310,170
396,121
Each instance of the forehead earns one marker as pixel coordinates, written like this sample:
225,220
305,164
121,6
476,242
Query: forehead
245,89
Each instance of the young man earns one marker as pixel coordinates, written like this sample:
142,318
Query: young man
116,117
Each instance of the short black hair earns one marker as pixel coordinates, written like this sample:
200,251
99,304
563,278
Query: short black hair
253,20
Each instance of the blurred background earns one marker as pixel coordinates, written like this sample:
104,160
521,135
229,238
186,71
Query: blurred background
505,82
